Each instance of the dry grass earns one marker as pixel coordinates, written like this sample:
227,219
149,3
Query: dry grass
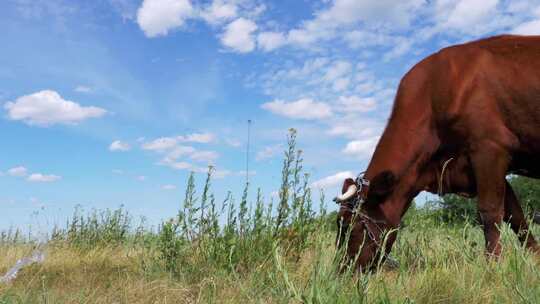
448,269
104,275
279,254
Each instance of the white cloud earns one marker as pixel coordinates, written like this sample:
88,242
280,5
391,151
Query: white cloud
352,127
309,67
202,138
233,142
464,14
219,11
173,151
333,180
252,9
219,174
19,171
83,89
401,47
304,108
519,6
182,165
158,17
168,187
47,107
166,143
43,178
185,151
321,79
204,156
126,8
344,12
337,70
141,178
528,28
341,84
306,36
58,11
366,38
329,23
269,41
238,35
243,173
160,144
118,145
269,152
179,151
355,104
361,148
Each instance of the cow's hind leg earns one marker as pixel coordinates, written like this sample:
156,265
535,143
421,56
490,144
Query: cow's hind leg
513,214
490,163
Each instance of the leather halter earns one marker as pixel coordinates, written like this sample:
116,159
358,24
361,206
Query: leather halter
354,204
362,188
362,185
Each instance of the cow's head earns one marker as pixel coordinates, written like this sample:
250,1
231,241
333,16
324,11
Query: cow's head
346,201
359,227
370,236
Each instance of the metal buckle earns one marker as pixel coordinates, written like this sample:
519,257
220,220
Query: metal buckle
361,182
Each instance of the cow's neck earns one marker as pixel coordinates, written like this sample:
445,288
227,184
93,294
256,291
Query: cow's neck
407,143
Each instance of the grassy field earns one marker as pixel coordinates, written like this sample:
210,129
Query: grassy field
263,251
437,264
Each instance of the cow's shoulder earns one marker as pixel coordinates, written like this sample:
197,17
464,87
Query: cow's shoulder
502,46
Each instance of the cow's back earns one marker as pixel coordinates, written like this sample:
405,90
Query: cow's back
488,89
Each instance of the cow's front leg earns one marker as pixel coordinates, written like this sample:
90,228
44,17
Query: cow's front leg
513,214
490,164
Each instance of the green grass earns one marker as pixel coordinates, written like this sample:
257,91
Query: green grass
437,264
261,251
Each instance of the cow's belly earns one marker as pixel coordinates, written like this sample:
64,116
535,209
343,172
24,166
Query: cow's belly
526,164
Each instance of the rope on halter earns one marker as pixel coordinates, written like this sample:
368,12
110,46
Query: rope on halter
441,179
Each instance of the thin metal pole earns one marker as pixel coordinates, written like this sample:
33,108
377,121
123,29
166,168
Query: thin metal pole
247,151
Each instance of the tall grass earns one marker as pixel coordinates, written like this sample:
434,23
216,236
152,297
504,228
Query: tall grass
11,236
250,231
262,251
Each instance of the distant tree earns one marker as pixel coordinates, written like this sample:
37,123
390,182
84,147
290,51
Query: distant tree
457,208
528,192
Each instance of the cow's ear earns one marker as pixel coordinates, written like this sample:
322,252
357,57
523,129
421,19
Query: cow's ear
381,186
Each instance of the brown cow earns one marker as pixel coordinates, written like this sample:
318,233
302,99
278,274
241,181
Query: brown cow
440,176
456,175
480,99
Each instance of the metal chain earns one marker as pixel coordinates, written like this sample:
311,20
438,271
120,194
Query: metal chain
354,206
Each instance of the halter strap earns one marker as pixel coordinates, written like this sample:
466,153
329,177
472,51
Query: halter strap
353,206
362,186
368,222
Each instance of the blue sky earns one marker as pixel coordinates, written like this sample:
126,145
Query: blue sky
114,102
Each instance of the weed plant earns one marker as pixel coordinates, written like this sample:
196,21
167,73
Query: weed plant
262,251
